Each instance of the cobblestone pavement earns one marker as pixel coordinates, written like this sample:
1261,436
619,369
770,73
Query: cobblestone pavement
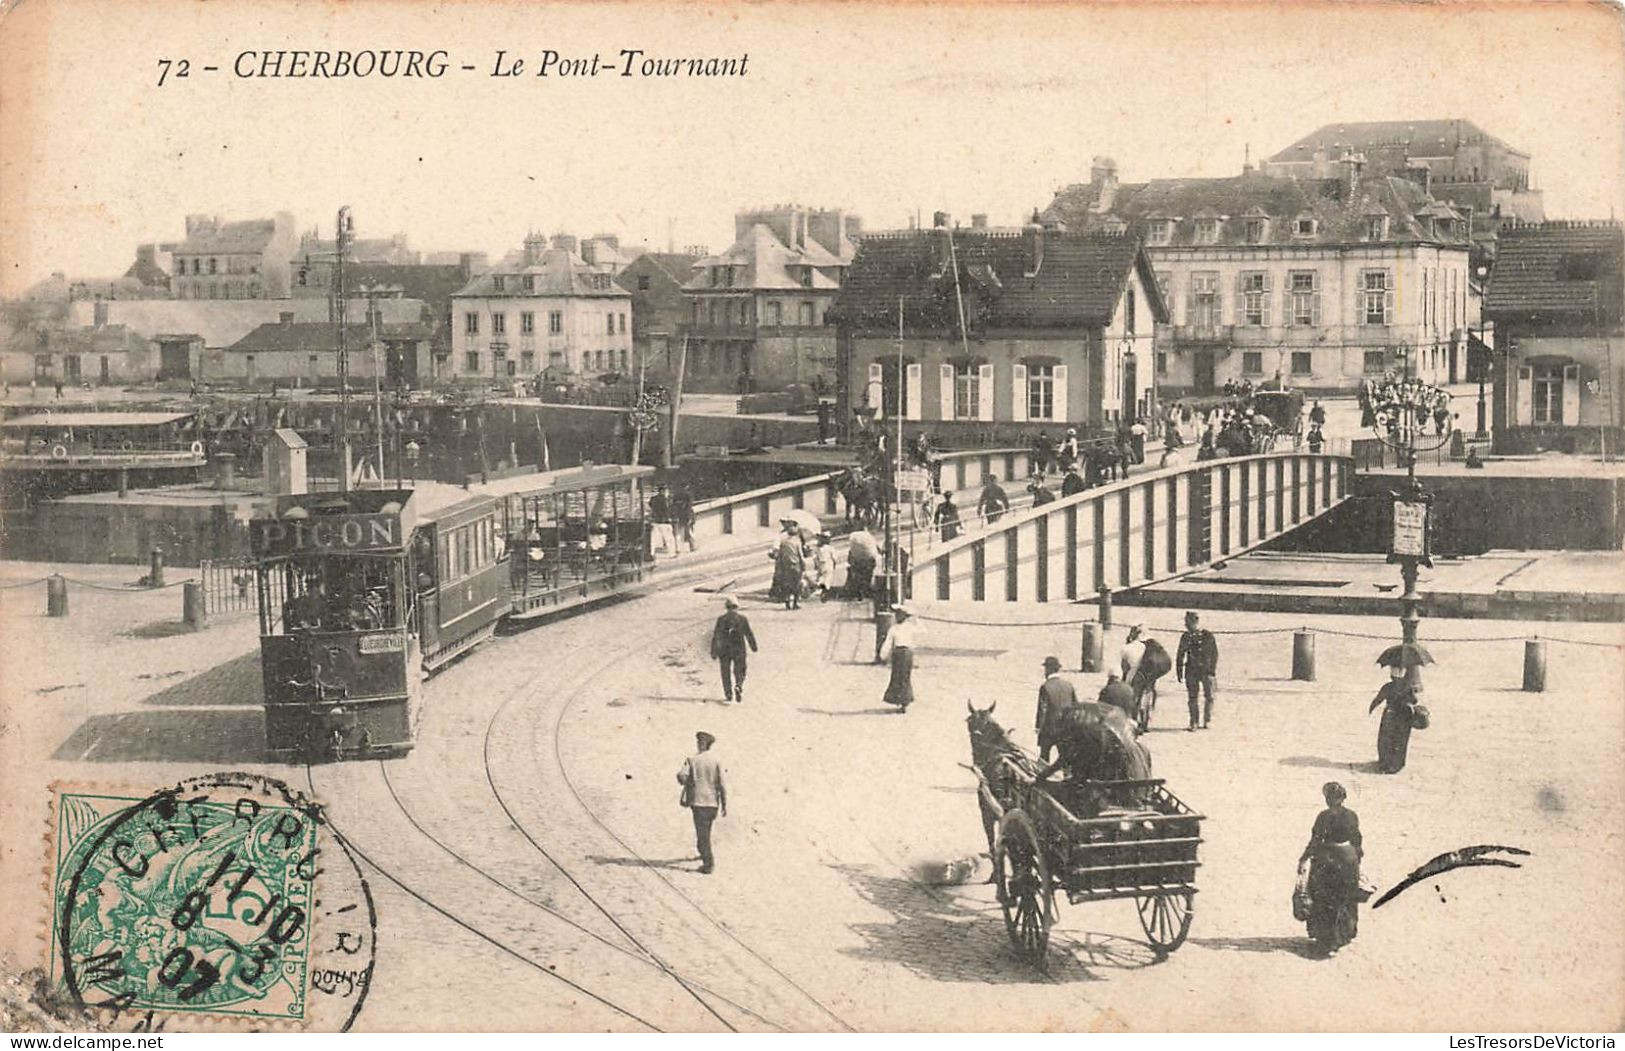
532,868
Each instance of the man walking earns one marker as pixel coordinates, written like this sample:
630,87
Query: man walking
704,794
993,503
946,518
1055,696
728,641
1197,666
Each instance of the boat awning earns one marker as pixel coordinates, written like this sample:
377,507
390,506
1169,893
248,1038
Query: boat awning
94,419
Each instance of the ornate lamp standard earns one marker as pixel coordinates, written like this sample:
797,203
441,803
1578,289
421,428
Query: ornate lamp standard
1401,411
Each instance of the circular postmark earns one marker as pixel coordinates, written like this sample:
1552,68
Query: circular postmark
225,896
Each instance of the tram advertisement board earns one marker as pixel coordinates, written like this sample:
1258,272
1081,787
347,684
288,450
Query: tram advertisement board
330,533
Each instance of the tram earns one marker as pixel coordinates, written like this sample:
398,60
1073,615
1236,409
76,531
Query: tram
362,595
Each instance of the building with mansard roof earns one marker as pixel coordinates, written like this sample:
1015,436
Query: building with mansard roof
756,309
1322,281
545,312
247,259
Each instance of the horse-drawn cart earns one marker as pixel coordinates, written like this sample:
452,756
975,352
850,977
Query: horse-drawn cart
1135,839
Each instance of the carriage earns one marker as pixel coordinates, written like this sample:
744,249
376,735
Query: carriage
1090,840
1284,408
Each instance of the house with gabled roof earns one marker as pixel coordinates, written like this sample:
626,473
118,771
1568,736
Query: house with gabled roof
1011,330
1320,282
245,259
756,309
1557,299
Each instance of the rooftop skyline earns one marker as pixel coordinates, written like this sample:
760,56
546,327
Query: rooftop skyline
884,111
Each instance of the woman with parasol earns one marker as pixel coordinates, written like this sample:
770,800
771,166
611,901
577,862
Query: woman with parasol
1401,712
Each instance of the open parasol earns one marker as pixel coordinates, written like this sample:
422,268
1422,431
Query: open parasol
1405,655
803,519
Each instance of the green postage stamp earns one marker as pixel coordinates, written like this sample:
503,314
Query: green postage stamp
202,899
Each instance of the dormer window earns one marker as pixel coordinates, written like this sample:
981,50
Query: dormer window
716,276
1159,231
1207,231
497,283
728,276
529,282
1376,228
806,277
1254,230
1306,226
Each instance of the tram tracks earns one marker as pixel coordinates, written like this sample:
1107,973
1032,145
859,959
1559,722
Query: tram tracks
724,1010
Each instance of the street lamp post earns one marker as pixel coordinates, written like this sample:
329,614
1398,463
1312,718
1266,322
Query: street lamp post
1401,410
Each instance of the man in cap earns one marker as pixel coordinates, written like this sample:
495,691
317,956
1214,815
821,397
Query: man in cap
1197,665
993,503
1055,696
729,639
704,794
1118,694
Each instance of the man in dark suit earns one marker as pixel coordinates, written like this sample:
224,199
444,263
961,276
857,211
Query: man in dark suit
1119,695
729,640
1197,665
1055,696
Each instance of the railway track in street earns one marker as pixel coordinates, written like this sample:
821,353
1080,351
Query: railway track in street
485,795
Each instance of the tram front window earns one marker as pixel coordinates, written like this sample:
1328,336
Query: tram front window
348,594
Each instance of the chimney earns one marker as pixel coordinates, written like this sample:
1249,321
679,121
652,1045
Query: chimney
565,242
589,252
1348,173
146,255
285,318
1032,238
1318,166
1421,174
535,245
99,312
198,224
1103,176
940,219
978,221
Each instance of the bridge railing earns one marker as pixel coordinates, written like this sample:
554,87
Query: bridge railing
759,510
1133,532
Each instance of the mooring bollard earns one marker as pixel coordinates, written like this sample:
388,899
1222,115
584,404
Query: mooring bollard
1105,608
1534,666
1092,640
193,611
155,575
56,595
1303,655
883,623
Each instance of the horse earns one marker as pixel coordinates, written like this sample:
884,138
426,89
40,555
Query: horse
864,496
989,744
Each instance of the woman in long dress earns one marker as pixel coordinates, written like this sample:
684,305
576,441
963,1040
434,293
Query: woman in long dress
1334,854
788,563
898,649
1394,735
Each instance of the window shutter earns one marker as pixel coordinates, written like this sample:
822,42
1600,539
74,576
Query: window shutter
1388,299
1269,297
984,393
1314,304
912,402
946,392
876,387
1059,413
1571,395
1526,396
1190,302
1018,393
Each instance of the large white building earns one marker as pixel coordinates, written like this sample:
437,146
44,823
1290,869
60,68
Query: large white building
544,311
1324,281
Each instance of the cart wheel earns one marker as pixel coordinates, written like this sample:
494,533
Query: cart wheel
1166,919
1025,893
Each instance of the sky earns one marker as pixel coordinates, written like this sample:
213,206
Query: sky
884,110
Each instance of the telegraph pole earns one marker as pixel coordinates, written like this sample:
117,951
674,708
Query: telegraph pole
342,246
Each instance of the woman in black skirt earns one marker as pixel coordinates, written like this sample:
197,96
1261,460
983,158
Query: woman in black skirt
898,649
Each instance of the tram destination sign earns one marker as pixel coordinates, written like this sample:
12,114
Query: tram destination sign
333,533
